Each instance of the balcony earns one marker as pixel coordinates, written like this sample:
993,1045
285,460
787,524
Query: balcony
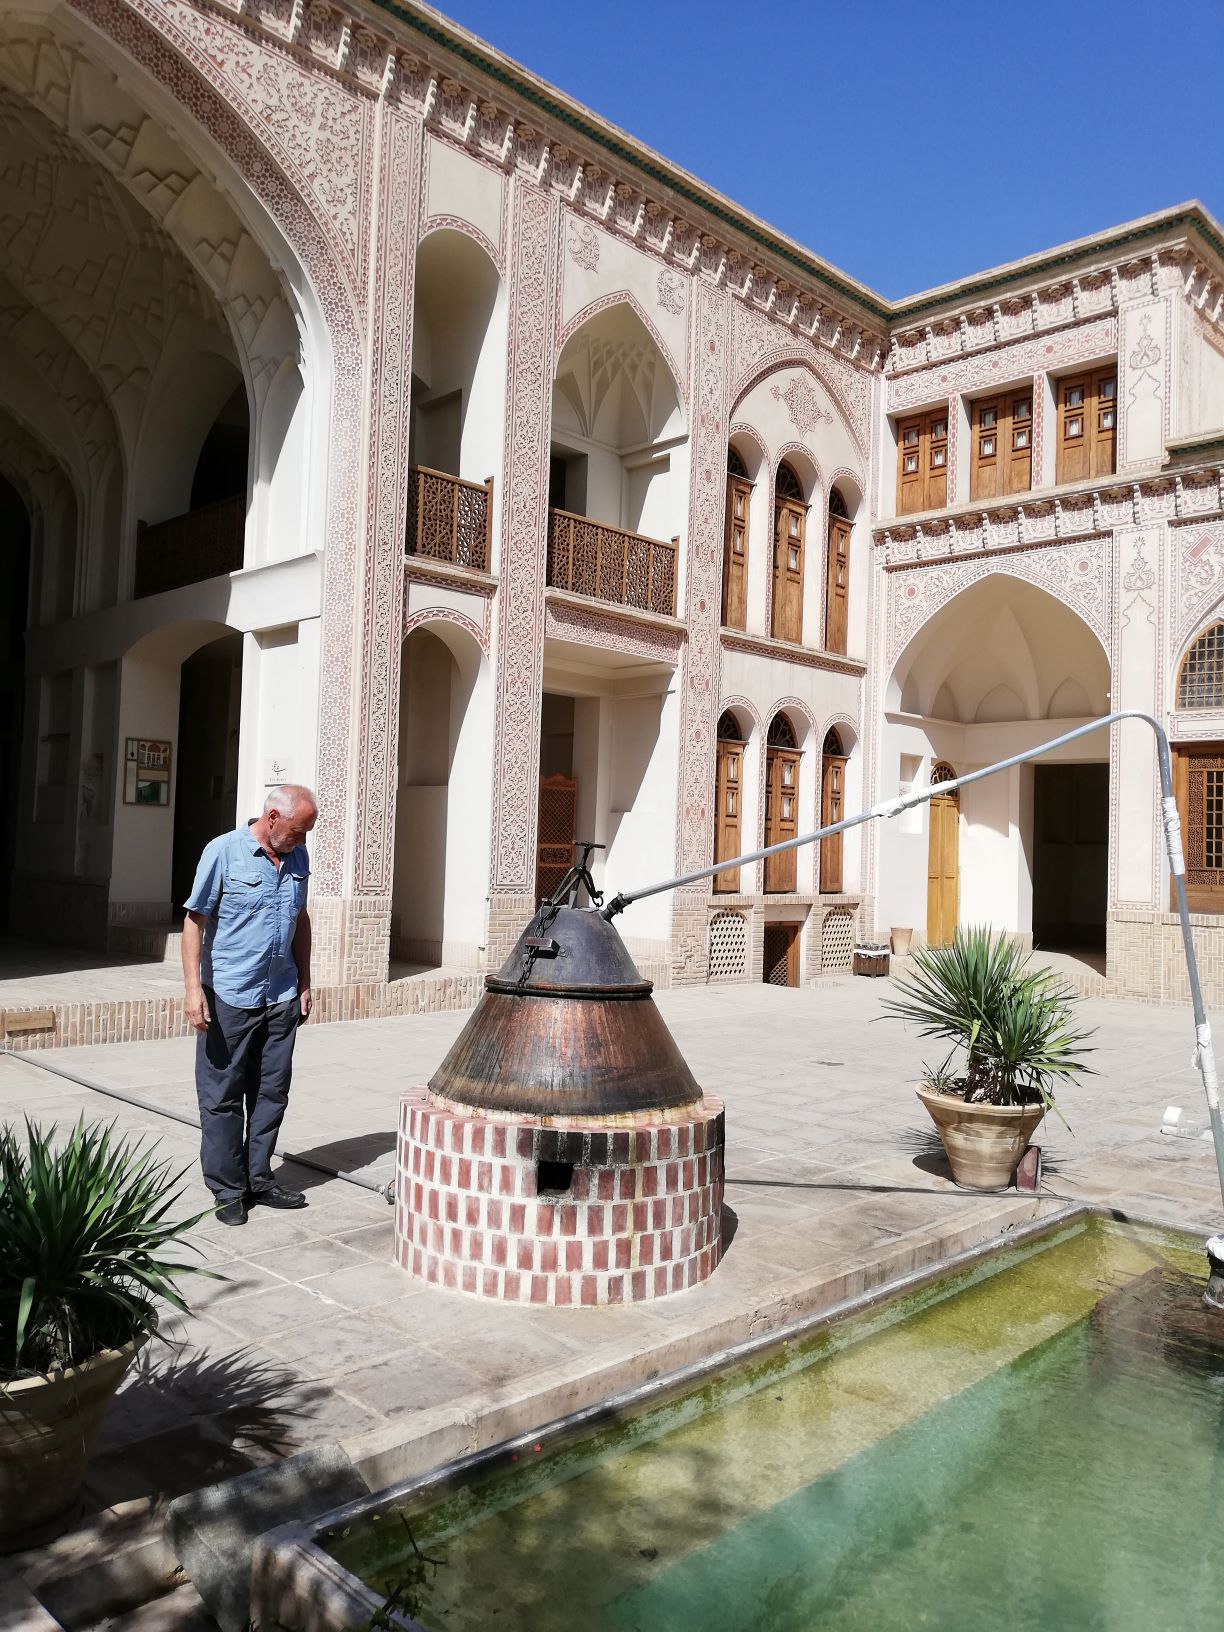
187,549
608,564
449,519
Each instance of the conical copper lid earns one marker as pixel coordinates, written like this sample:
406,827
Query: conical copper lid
567,1027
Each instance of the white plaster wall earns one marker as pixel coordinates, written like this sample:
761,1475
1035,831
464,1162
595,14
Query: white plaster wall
460,185
1145,386
642,805
1201,395
599,265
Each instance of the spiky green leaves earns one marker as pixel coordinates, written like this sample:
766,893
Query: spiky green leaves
85,1230
1016,1025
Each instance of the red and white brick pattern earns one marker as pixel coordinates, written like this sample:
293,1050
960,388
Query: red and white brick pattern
641,1218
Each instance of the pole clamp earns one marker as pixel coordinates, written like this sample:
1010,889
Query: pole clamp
1173,839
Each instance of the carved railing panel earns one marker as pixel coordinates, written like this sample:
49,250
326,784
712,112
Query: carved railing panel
609,564
449,519
187,549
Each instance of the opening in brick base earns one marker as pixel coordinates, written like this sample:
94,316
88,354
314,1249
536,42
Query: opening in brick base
558,1212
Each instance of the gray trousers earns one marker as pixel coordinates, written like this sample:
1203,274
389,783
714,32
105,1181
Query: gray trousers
243,1065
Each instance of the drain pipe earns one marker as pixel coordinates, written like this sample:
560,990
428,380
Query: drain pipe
386,1191
1204,1052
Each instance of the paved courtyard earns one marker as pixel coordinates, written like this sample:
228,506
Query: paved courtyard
309,1333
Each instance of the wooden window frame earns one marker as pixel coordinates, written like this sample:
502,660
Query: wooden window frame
728,823
1091,450
786,606
735,571
837,575
1205,655
832,809
782,772
998,466
923,438
1204,883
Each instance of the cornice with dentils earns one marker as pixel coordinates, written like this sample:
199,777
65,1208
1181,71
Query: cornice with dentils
1188,224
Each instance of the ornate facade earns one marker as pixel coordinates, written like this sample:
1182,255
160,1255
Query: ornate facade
377,418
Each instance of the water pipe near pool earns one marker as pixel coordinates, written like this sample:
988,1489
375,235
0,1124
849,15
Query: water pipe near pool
1204,1051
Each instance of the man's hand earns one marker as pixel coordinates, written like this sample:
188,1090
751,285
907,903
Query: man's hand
195,1007
307,1002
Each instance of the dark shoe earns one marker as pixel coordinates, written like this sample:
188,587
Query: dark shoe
275,1196
232,1212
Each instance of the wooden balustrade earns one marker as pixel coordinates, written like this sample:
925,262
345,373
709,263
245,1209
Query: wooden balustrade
449,519
609,564
186,549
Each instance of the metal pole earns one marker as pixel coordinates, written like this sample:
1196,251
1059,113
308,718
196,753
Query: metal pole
1204,1051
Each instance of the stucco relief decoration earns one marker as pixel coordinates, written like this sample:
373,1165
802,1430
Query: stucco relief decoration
1136,581
1146,354
758,340
319,128
694,814
671,293
1198,576
802,404
520,623
584,246
1004,364
615,634
214,70
1076,574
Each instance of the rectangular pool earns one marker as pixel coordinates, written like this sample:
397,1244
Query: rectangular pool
1035,1444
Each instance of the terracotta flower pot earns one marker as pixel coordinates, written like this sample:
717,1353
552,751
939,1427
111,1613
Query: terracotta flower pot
984,1143
47,1426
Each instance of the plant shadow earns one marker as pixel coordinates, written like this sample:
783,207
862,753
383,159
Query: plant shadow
194,1417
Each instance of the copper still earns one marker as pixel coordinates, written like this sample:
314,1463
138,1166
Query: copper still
566,1027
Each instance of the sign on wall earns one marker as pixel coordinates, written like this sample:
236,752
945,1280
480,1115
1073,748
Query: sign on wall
146,771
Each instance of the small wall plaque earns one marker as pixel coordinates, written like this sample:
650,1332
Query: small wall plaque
146,771
21,1020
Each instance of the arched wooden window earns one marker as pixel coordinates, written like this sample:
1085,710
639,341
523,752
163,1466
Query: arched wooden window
1200,682
781,802
728,800
837,574
832,809
735,544
943,859
790,525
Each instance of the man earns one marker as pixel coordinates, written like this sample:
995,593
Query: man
246,970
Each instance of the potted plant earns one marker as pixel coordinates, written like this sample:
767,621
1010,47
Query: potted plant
1016,1034
84,1232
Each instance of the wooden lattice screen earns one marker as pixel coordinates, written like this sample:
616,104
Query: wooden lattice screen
555,833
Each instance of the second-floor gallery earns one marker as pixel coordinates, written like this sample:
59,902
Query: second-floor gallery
379,419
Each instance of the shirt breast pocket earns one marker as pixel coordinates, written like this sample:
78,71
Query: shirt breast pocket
300,881
243,895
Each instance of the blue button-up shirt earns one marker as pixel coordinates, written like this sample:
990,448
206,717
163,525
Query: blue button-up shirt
252,908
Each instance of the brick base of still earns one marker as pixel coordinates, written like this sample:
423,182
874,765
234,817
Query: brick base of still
547,1210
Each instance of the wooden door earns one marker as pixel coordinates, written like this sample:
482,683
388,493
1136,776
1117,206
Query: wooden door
832,809
1104,422
1074,439
986,480
1018,450
728,796
735,554
943,869
790,519
781,962
837,584
555,833
781,817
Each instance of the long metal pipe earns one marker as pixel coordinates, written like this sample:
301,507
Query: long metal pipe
1204,1049
386,1191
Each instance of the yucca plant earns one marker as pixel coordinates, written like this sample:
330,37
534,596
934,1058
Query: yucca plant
84,1236
1015,1025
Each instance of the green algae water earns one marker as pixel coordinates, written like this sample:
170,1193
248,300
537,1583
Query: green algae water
1034,1446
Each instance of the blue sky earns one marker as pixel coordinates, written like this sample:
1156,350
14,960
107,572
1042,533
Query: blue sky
907,143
